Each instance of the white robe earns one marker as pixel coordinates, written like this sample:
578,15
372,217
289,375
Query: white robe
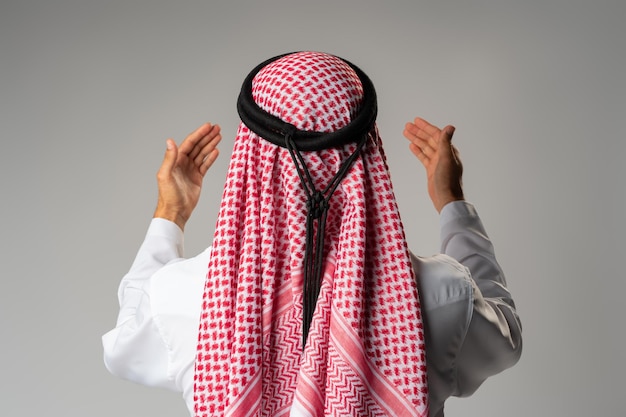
472,328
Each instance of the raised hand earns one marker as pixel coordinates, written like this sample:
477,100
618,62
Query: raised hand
181,173
433,147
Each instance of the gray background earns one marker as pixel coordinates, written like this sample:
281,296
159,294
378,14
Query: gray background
89,91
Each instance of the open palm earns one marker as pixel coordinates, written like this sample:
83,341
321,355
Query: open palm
181,173
433,147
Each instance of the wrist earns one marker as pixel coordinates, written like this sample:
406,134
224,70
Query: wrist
449,197
172,214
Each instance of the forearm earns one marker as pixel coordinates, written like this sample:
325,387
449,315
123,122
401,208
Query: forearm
163,244
135,349
493,341
464,238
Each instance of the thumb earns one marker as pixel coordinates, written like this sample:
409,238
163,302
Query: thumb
445,140
169,160
447,133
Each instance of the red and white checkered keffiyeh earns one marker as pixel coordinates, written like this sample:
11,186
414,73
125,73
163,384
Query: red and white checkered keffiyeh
364,354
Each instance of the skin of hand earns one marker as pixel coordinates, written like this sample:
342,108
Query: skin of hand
180,176
444,170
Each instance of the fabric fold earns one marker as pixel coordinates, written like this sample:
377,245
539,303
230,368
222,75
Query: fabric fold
364,354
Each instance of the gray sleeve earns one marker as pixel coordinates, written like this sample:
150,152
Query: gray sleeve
493,339
446,294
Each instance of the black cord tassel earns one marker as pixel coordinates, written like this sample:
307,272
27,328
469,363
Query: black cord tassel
317,206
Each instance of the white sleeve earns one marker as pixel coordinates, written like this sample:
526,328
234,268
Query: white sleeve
493,341
135,349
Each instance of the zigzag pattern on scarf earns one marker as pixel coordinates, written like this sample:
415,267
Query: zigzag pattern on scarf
347,398
250,359
280,380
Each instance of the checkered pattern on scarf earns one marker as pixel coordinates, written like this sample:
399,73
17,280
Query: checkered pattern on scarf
365,351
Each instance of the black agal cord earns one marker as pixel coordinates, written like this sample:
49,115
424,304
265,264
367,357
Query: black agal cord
286,135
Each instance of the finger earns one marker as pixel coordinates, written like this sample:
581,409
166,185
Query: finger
194,137
411,131
426,145
428,128
414,134
169,160
211,135
417,151
206,152
427,133
205,147
208,161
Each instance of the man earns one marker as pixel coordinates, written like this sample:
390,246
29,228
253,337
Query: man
312,304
